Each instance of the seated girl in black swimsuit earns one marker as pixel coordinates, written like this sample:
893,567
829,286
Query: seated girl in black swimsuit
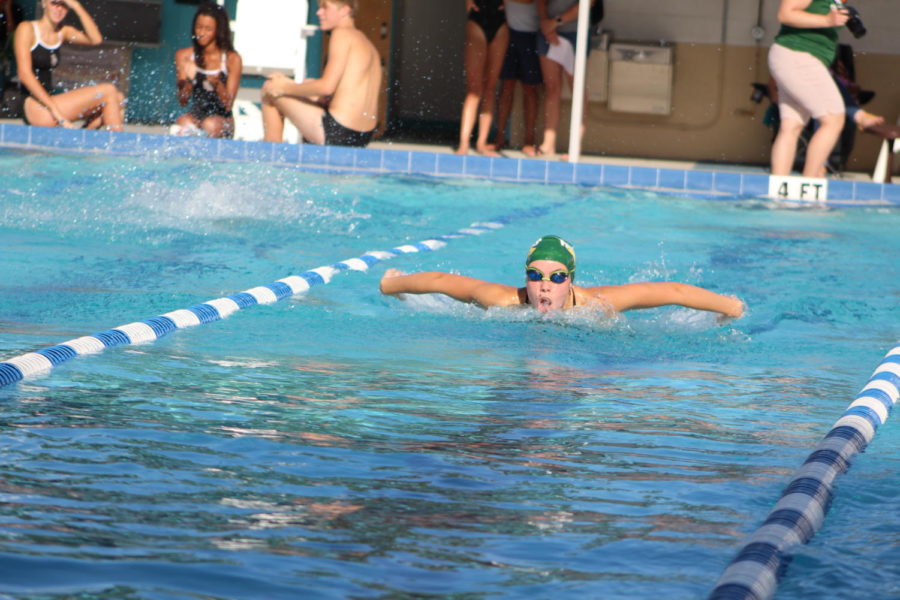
208,74
37,45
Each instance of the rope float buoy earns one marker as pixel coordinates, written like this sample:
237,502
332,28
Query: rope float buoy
43,360
798,514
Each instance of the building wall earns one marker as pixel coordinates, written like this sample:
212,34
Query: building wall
716,61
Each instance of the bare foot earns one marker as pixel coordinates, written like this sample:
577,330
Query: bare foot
499,144
529,150
865,119
461,150
546,153
487,150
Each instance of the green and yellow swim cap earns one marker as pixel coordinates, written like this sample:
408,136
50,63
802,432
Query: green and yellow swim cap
552,247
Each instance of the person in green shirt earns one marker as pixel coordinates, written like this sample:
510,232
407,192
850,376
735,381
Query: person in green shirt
798,61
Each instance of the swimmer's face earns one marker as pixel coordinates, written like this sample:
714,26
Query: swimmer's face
330,13
545,295
205,30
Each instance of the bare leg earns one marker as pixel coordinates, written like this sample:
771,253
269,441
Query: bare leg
495,55
529,104
273,120
217,126
552,72
475,56
305,115
503,110
821,144
784,148
82,103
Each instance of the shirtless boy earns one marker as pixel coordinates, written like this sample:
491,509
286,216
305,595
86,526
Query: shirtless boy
341,107
549,275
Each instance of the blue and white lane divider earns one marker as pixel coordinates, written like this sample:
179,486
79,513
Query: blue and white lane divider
43,360
797,516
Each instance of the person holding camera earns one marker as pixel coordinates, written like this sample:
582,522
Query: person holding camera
798,61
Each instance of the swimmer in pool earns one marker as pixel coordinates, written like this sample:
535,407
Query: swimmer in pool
549,276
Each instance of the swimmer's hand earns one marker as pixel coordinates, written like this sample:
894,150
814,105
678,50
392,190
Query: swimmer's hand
735,310
385,286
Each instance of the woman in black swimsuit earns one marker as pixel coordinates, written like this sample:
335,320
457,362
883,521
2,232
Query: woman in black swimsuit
37,46
208,75
486,39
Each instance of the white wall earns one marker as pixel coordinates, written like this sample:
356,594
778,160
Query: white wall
703,21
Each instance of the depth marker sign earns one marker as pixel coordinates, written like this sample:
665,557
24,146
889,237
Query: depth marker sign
804,189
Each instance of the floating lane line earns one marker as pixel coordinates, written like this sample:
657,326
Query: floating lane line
41,361
798,514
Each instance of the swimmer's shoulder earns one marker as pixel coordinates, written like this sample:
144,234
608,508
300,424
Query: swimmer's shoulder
599,296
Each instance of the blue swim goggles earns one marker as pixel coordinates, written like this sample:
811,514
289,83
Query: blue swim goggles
559,276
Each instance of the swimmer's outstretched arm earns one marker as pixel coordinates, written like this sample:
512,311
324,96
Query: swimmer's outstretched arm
650,295
458,287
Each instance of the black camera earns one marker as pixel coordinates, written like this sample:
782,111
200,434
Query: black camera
854,23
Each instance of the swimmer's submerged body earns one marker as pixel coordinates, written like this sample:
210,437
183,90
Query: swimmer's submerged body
550,270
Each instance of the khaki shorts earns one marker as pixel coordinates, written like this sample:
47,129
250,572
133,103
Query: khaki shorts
805,86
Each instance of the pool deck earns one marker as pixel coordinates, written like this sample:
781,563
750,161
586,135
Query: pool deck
681,178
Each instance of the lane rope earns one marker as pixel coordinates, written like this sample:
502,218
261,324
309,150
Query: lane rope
41,361
798,514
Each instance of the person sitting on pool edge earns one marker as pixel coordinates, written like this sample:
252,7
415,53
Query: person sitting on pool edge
549,276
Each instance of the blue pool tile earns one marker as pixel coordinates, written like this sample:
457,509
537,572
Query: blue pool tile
396,161
259,151
65,138
755,185
286,153
96,140
588,174
644,177
369,160
424,163
615,175
868,191
188,147
560,172
341,156
43,137
450,164
150,142
232,149
892,193
699,180
16,134
727,183
314,154
506,168
533,170
840,190
672,179
123,142
477,166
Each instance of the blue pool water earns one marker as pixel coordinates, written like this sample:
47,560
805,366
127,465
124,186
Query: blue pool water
340,444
